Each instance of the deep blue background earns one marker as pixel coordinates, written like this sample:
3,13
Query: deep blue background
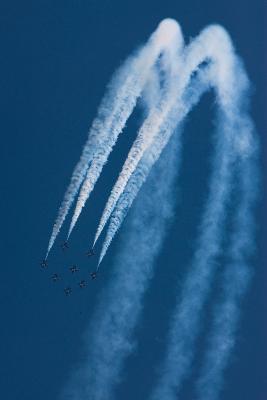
56,58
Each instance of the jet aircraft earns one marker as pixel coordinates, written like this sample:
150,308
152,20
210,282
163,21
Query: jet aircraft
93,275
64,246
90,253
74,269
44,264
68,291
82,284
55,277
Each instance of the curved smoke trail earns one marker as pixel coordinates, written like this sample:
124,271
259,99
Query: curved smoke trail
203,48
208,61
166,38
115,109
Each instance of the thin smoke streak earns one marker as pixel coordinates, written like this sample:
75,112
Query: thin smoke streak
185,323
236,279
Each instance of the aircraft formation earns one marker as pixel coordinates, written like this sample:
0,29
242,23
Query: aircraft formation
73,270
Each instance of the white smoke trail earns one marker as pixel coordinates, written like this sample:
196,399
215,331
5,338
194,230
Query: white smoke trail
144,139
235,282
116,107
193,93
166,37
213,43
110,337
107,114
234,138
186,319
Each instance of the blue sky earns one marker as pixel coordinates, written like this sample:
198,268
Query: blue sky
57,57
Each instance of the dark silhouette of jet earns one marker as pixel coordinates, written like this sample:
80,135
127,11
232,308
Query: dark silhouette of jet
44,264
82,284
90,253
64,246
55,277
93,275
74,269
68,291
